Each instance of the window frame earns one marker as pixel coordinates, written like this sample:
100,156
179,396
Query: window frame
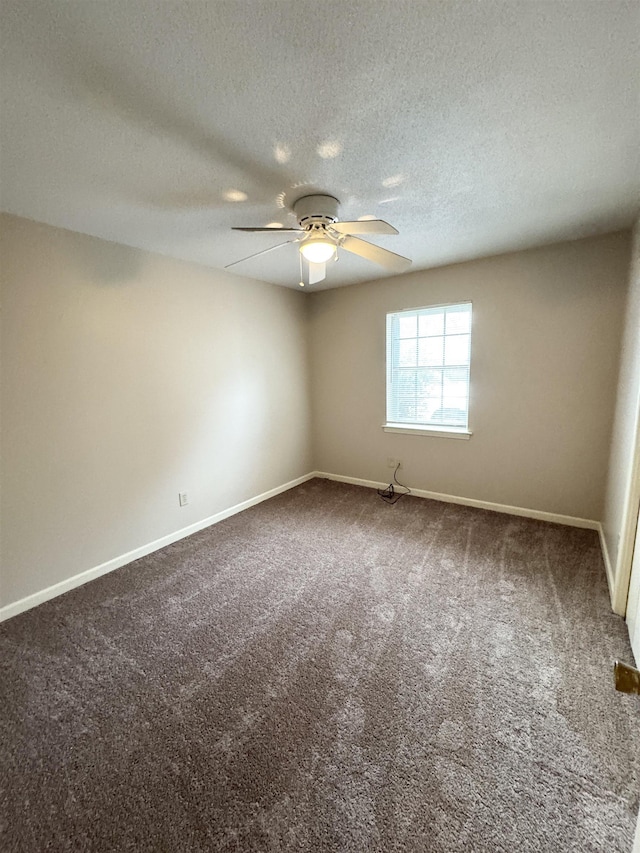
417,427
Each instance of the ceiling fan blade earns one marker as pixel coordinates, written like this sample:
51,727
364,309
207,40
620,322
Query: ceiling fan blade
317,272
393,262
263,252
277,230
365,226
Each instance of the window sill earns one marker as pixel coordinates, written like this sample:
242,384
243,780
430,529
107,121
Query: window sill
435,432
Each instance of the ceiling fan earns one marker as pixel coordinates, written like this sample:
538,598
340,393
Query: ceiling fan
321,234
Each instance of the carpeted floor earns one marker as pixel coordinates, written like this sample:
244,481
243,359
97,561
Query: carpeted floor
324,672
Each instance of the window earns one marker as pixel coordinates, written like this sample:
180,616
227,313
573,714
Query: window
428,354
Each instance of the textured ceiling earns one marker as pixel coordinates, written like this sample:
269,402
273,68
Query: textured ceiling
473,127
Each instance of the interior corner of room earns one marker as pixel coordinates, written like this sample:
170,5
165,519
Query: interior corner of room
320,426
129,378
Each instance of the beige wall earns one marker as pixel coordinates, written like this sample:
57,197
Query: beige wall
623,440
545,343
126,378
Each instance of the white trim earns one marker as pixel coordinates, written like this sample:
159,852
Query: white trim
636,838
435,432
608,569
555,518
43,595
50,592
435,307
629,524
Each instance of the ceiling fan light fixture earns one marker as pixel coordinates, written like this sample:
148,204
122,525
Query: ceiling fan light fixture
317,251
320,232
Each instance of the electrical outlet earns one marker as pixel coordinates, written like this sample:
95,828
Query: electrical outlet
394,463
183,498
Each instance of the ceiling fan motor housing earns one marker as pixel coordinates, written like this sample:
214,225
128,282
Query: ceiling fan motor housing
320,210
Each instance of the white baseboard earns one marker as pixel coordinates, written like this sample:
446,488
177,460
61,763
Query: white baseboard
609,570
43,595
555,518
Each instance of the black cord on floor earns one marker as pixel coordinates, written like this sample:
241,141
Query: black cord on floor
389,495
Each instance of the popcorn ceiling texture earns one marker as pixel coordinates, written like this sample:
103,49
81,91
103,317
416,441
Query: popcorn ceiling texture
324,672
474,127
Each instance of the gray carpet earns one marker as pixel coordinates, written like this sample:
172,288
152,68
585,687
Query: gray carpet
324,672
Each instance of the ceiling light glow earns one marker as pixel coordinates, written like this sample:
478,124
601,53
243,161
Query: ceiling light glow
329,149
234,195
274,225
282,153
394,181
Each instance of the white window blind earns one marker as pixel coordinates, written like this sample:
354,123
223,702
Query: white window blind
428,356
